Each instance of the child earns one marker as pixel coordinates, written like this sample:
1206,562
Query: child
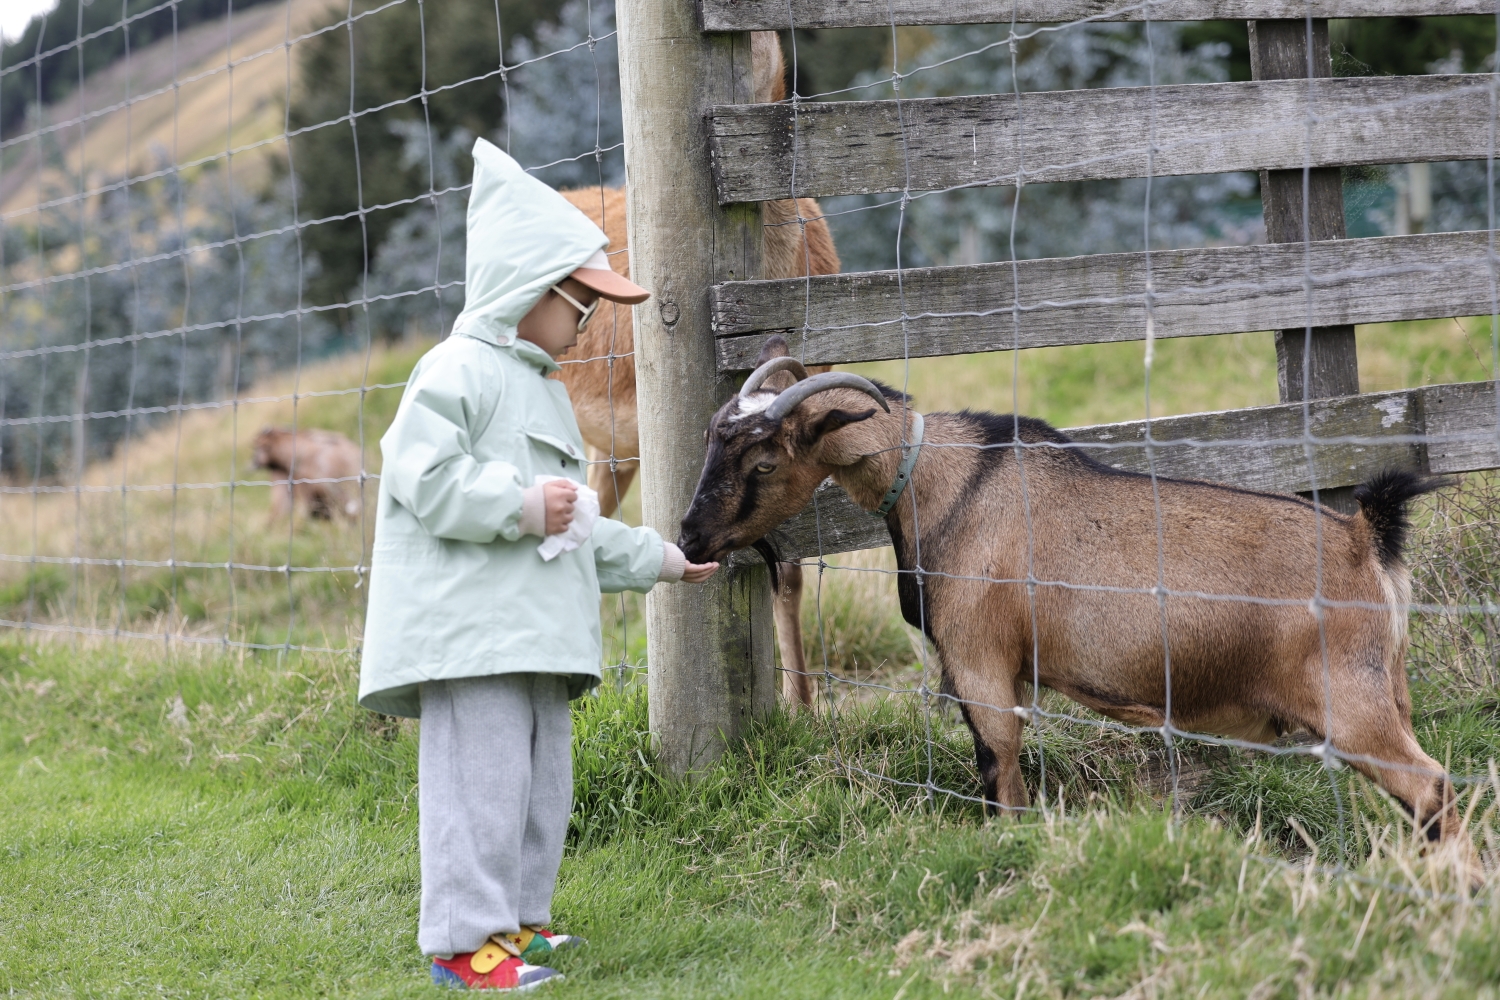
469,626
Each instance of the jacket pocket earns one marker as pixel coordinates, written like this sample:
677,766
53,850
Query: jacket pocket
555,455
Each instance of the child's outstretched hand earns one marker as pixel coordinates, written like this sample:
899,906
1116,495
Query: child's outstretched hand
558,498
698,572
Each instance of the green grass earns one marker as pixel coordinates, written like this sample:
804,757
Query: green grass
211,826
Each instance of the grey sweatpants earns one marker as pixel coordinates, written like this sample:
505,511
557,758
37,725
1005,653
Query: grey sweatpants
495,786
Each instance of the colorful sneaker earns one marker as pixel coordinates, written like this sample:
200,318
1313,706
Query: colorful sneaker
490,968
533,943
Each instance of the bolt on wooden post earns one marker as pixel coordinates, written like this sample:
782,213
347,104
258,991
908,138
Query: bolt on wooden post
709,649
1311,362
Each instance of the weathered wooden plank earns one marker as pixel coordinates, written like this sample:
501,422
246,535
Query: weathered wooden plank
1440,428
779,15
1100,298
863,147
1462,430
1264,448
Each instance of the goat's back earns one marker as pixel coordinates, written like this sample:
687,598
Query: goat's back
1239,571
317,453
599,370
1088,523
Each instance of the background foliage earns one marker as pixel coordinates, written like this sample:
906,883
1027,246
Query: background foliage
436,63
200,317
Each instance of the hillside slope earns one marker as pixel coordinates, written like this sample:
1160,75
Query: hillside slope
231,81
181,500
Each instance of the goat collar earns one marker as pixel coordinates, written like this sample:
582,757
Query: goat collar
903,473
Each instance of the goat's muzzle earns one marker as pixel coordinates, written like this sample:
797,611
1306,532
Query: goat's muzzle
699,547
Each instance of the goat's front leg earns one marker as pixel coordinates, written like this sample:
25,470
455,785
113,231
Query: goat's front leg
987,687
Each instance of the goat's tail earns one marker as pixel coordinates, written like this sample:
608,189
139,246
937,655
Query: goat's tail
1383,502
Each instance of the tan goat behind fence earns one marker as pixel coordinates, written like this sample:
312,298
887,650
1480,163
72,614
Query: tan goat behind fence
601,375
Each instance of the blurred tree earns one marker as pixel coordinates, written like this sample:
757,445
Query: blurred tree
564,99
1407,46
564,104
822,60
197,314
1233,35
1373,46
346,166
974,225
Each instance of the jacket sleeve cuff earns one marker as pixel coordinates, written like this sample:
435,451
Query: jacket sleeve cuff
673,564
533,512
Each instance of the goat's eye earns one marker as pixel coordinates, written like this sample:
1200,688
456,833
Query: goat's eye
764,468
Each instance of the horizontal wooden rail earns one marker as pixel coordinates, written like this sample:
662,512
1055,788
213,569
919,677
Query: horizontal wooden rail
779,15
1100,298
865,147
1439,429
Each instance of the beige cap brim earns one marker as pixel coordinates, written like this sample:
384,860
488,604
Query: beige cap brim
596,274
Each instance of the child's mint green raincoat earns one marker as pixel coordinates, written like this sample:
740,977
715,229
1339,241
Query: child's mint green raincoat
455,589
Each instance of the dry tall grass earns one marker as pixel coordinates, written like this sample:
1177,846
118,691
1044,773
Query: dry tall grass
852,625
1455,560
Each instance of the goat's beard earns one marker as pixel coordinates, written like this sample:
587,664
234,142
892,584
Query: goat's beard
767,550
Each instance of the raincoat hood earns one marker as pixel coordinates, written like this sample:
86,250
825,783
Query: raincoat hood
523,237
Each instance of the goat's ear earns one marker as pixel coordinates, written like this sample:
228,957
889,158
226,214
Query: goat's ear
774,347
834,420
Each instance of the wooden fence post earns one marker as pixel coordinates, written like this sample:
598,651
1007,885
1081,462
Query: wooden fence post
709,648
1319,362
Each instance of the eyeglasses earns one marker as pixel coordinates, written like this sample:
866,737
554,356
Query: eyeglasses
587,310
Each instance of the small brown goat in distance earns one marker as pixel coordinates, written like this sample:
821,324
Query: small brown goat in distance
988,514
601,379
319,471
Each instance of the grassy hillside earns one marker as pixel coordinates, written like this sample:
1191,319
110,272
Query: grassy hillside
133,115
218,512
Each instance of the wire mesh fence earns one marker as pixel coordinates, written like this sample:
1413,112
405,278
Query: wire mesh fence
223,252
226,238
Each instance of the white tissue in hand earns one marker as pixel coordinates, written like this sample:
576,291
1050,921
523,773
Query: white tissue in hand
585,513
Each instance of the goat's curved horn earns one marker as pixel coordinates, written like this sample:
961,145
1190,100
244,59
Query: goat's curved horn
787,401
782,364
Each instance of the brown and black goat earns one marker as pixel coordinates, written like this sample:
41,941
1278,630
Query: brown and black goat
1040,565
